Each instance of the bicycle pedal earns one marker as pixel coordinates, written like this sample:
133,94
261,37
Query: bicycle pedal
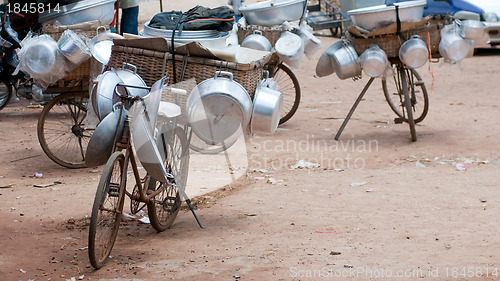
170,204
114,190
399,120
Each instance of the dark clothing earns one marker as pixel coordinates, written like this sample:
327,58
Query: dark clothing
197,18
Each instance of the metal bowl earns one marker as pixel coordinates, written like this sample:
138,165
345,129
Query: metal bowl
81,11
383,15
270,13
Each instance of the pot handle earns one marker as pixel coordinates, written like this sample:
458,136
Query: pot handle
226,73
100,27
259,32
130,66
265,74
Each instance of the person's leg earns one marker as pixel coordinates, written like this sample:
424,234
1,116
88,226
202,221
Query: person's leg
129,22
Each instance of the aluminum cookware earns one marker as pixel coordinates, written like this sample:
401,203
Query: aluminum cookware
414,52
105,92
129,76
73,47
473,29
453,47
290,48
219,109
345,60
257,41
78,11
266,111
324,67
41,57
274,12
374,61
101,143
101,44
379,16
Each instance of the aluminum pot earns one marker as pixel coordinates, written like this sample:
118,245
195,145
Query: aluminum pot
73,47
129,76
257,41
105,93
414,52
473,29
266,111
453,47
345,60
41,57
374,61
101,143
290,48
101,44
324,67
219,109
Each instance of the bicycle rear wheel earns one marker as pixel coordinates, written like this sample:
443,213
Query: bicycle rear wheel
61,129
393,92
107,210
164,207
288,85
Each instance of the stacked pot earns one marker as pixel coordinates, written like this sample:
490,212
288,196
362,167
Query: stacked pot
457,40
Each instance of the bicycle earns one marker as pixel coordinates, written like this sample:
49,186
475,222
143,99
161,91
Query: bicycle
160,190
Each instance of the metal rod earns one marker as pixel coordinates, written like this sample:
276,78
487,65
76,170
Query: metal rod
337,136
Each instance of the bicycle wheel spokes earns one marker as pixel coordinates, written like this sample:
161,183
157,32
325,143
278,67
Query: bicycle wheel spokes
289,86
164,207
61,130
419,101
106,211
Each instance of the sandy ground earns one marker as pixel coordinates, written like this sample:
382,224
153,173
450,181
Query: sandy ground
378,207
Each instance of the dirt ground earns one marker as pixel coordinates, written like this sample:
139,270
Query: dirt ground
378,207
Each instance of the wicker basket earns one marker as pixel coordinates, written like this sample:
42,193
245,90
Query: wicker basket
89,29
391,43
152,65
271,33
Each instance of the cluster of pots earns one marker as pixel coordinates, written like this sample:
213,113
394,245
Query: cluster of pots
220,110
290,46
457,43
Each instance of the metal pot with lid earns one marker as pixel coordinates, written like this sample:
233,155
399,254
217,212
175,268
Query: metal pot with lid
374,61
219,109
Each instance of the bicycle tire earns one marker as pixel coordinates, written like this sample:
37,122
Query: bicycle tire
289,86
164,207
61,129
5,93
419,98
105,220
408,106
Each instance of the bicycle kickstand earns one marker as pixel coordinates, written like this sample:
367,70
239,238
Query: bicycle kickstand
186,198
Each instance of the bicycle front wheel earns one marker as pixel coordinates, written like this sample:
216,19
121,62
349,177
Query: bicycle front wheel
164,207
393,92
107,210
61,129
5,93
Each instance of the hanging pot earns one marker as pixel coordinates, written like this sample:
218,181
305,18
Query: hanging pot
374,61
219,109
101,45
257,41
324,67
345,60
414,52
473,29
105,93
266,111
73,47
100,146
453,47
